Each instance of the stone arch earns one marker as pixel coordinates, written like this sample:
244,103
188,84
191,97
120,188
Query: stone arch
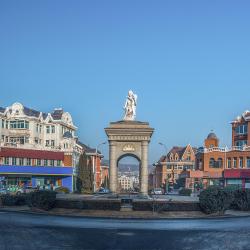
137,159
129,138
134,155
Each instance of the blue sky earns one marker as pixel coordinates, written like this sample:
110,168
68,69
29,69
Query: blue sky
188,62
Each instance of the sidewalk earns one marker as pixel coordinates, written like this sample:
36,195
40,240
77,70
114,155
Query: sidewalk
123,214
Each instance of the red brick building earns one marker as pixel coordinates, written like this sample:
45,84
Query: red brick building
170,166
216,165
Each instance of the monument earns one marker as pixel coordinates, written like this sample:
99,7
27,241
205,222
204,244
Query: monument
129,138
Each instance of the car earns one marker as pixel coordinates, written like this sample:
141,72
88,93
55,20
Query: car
25,190
157,191
103,191
3,191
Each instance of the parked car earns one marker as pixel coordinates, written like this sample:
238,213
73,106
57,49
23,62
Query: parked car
157,191
103,191
3,191
25,190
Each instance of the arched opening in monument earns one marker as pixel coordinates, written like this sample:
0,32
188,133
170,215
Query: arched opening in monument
128,174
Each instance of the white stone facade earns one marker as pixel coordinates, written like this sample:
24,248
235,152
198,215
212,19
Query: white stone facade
128,182
22,127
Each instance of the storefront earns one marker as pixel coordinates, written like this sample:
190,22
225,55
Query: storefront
42,177
237,177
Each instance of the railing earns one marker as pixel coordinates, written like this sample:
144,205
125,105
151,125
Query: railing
30,146
225,149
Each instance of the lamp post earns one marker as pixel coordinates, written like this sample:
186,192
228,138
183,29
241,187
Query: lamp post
164,145
96,154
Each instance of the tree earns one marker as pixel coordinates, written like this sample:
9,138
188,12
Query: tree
85,175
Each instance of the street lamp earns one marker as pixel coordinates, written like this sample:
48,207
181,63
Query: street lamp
96,153
164,145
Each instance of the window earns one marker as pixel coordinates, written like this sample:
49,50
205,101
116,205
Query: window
241,162
52,143
13,160
235,162
58,163
248,162
6,160
229,164
53,129
2,138
7,125
52,163
47,143
212,163
241,143
45,162
242,129
21,161
38,162
220,163
19,124
2,123
40,129
36,140
19,140
28,162
37,128
48,129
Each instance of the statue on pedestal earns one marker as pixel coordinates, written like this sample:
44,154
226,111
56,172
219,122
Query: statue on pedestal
130,106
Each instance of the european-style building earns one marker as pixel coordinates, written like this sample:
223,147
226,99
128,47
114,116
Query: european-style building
47,141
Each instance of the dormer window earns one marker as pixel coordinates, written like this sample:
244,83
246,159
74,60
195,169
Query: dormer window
176,157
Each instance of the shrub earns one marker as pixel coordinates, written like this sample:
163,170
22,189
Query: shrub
64,190
43,199
185,192
164,206
242,200
215,200
13,200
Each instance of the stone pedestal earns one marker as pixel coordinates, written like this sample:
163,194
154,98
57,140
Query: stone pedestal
129,138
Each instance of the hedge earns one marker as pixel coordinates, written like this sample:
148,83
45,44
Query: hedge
241,200
185,192
164,206
114,205
13,200
43,199
216,199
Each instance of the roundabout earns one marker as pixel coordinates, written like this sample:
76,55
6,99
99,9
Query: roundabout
33,231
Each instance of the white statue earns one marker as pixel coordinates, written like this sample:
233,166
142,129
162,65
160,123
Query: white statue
130,106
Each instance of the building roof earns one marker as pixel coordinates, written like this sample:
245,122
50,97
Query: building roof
57,114
175,150
31,112
105,163
87,149
212,135
2,109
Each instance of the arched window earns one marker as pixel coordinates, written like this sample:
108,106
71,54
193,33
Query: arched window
212,162
220,163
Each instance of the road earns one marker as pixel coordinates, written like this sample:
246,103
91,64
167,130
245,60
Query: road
30,231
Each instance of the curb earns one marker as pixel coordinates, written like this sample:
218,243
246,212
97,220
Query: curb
124,218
